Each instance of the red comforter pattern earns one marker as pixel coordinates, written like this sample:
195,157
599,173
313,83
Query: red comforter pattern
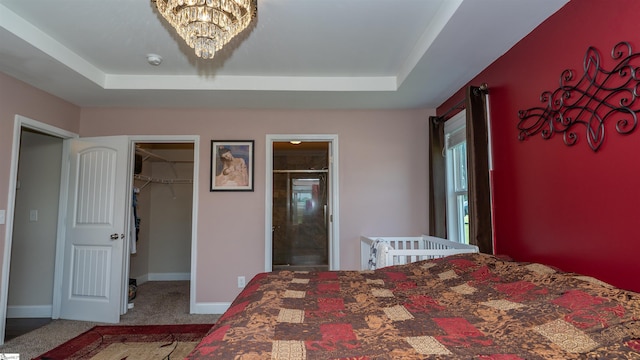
469,306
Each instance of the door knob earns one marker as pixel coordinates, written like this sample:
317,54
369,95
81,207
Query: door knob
114,236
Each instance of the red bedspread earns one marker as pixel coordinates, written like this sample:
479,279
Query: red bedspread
470,306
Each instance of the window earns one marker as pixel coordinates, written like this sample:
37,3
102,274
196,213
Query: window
456,168
453,176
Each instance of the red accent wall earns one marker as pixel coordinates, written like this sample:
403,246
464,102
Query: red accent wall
560,205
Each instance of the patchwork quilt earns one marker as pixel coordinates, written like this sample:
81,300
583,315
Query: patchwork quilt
468,306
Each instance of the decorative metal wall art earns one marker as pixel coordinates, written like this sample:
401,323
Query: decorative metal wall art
598,98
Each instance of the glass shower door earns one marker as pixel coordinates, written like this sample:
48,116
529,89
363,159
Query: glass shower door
300,219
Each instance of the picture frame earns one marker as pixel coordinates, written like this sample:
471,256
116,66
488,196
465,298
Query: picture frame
232,165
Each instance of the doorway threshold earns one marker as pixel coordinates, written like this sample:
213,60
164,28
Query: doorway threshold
301,267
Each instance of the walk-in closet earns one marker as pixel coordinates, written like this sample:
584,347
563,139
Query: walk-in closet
162,214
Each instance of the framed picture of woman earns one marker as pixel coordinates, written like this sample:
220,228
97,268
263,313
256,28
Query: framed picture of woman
232,165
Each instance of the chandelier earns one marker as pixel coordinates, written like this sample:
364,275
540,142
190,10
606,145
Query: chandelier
207,25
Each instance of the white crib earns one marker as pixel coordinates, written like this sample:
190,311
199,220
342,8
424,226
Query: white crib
404,250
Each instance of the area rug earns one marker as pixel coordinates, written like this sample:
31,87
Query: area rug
131,342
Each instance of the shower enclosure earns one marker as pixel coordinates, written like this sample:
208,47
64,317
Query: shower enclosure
300,223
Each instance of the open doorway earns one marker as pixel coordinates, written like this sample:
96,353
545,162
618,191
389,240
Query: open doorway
162,218
302,186
34,232
300,205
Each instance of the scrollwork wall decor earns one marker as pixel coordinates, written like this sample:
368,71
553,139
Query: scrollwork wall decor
598,98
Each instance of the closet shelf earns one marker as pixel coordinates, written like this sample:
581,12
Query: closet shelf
150,179
149,155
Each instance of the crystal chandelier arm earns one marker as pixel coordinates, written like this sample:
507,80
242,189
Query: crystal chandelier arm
207,25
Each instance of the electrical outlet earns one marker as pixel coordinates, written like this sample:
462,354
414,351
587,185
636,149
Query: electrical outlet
33,215
241,282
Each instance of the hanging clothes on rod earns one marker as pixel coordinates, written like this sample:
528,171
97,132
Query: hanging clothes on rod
134,228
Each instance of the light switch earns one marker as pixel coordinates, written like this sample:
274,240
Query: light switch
2,216
33,215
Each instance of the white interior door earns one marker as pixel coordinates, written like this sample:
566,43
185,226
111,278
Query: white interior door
94,245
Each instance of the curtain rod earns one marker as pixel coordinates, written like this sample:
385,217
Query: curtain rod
460,105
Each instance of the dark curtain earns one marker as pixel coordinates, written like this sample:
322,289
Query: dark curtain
480,232
480,226
437,180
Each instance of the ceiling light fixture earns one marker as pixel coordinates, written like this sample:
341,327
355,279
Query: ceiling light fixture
295,142
207,25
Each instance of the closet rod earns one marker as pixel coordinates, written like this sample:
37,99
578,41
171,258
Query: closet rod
149,180
162,181
300,171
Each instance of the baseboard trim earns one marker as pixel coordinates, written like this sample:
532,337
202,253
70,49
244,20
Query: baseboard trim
210,308
163,277
45,311
30,311
142,279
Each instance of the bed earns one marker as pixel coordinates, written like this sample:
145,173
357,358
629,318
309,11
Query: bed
463,306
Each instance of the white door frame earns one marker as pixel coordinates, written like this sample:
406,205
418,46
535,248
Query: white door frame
19,123
334,223
195,140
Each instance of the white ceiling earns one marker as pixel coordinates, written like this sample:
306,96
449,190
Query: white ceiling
304,54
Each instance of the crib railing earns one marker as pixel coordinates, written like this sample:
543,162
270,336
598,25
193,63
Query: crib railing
404,250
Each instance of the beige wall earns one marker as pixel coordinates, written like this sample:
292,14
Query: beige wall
383,179
164,243
170,229
383,172
34,240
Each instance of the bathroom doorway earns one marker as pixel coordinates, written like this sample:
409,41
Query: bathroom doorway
300,211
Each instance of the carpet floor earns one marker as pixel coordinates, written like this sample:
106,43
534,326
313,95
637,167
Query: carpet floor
139,342
156,303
